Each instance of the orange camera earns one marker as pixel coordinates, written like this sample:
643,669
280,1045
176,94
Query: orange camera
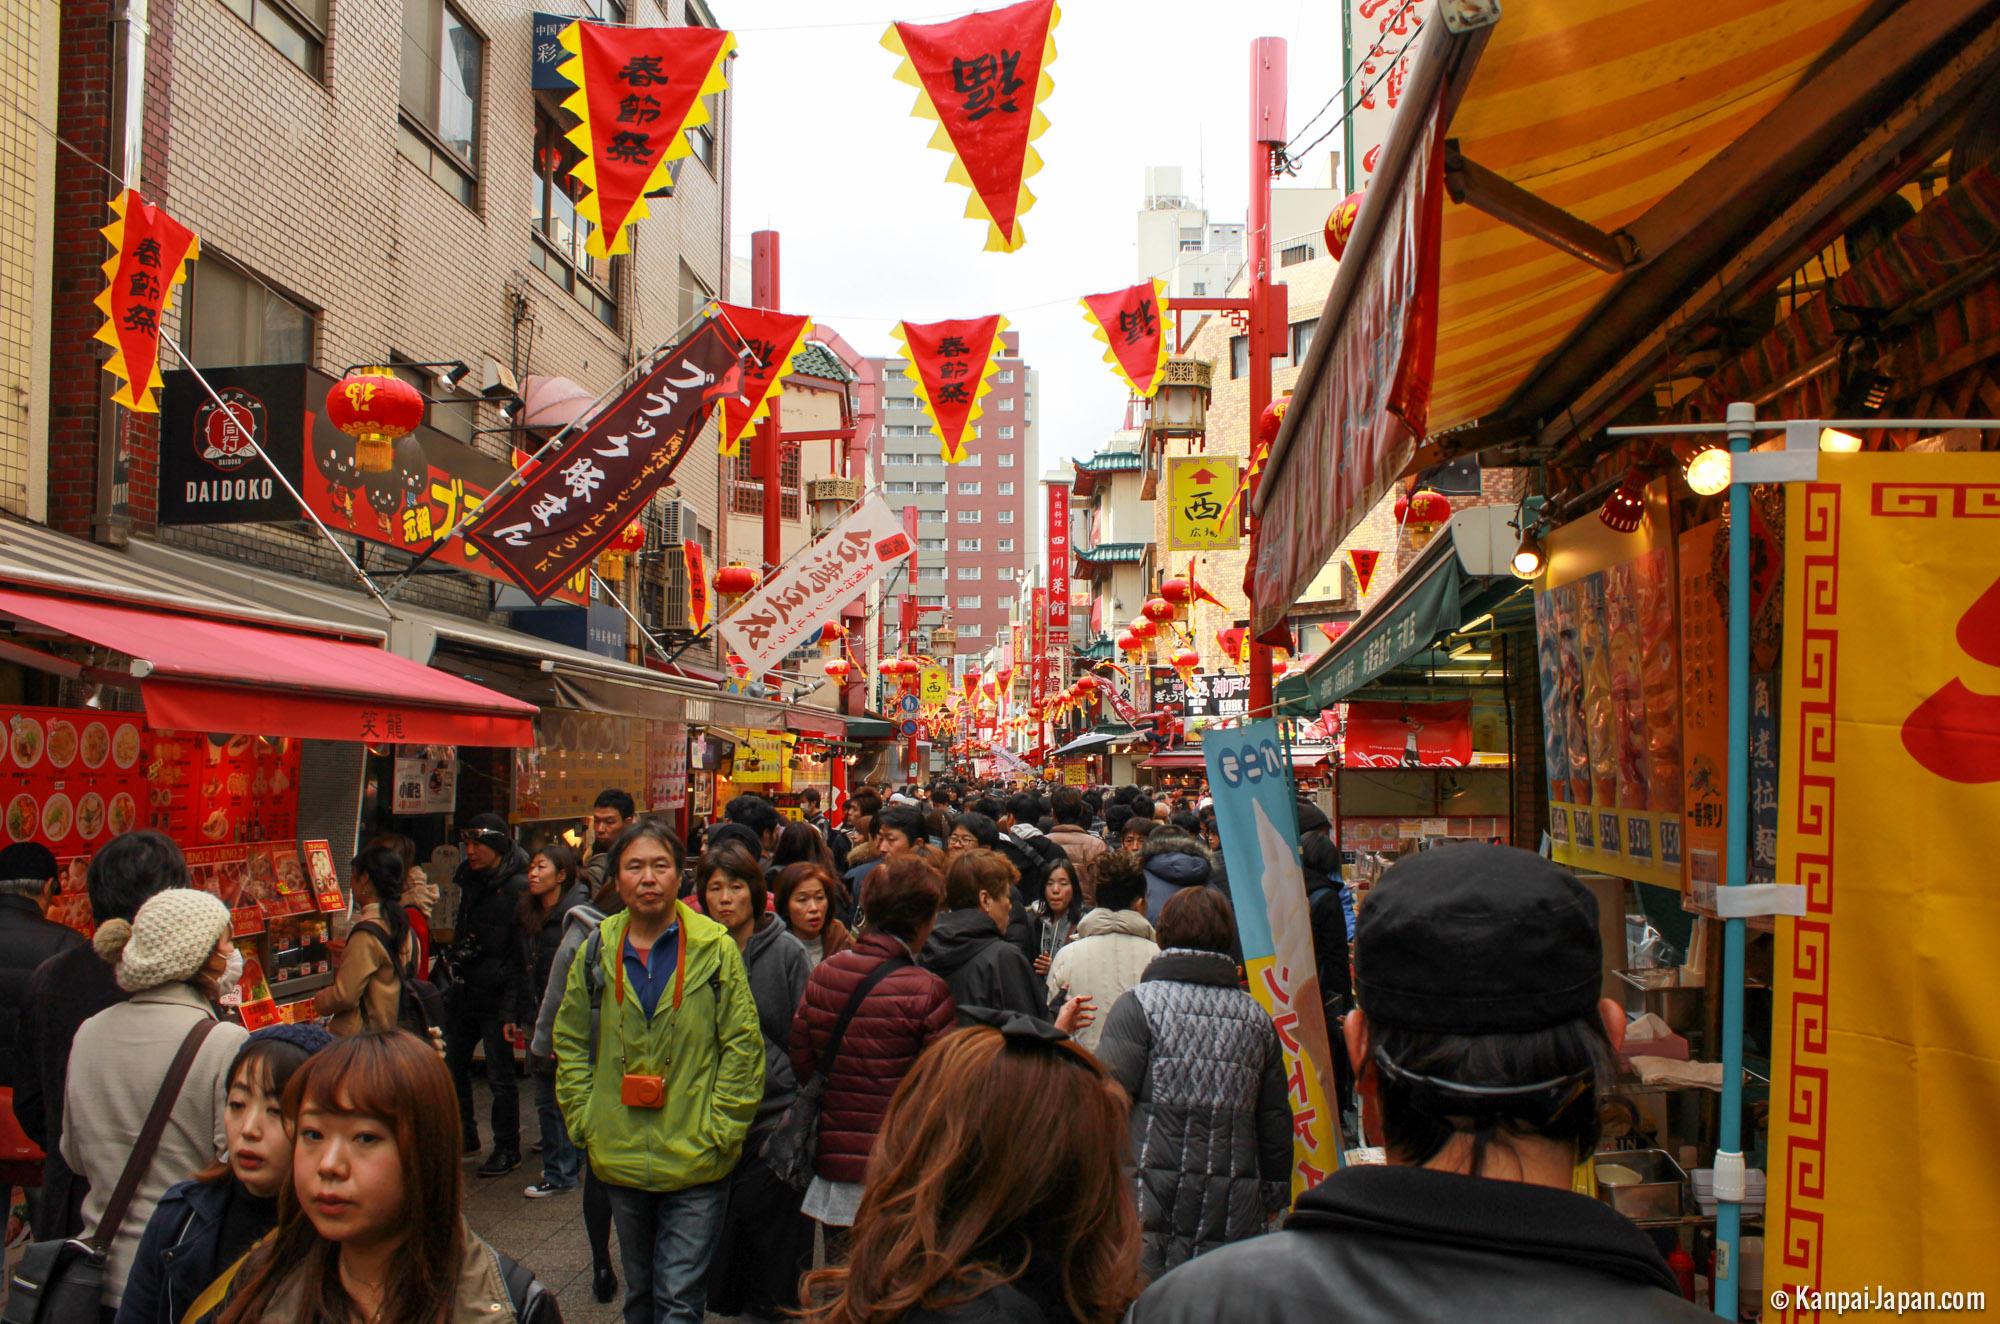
643,1092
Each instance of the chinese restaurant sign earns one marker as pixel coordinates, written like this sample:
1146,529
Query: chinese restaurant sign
572,504
1201,695
983,78
1203,513
788,609
1252,784
149,256
1059,564
638,90
1359,426
1131,325
1380,50
774,340
209,474
697,577
951,364
1606,634
1884,1065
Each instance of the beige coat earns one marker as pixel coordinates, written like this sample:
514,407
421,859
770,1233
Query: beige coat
365,977
1107,957
115,1071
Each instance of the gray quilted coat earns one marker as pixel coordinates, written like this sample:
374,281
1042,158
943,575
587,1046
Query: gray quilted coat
1211,1126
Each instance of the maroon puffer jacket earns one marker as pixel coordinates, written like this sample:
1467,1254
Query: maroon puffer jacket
900,1017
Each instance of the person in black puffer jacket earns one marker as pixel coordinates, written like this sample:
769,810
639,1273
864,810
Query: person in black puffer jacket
27,938
968,949
1176,861
489,973
1211,1123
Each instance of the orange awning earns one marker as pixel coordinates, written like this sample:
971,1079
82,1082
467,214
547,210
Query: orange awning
197,673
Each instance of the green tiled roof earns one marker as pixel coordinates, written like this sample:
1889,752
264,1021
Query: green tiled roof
1098,649
816,360
1112,462
1114,553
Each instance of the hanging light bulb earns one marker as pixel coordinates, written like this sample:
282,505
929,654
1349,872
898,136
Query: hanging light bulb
1625,509
1529,558
1836,442
1708,470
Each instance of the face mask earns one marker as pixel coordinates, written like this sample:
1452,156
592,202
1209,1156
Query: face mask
232,973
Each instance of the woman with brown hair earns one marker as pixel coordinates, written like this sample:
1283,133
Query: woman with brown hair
800,843
994,1193
808,899
370,1227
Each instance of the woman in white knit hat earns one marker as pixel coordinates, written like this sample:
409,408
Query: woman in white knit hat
174,959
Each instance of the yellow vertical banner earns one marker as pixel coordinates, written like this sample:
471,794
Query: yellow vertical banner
1886,1054
1203,513
935,687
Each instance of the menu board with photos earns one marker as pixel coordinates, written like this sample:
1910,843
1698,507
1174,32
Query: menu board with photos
73,778
221,789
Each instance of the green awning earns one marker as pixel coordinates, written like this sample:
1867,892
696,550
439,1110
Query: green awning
1436,596
869,728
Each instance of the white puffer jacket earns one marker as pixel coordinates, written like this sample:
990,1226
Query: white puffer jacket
1107,957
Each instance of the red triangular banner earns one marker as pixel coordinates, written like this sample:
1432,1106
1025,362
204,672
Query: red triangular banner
774,340
1132,325
982,78
1334,630
1363,560
951,364
150,250
637,92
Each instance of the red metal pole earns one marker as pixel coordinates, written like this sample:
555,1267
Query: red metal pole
1267,131
764,444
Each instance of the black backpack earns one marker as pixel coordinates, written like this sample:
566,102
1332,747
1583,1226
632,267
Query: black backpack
419,1004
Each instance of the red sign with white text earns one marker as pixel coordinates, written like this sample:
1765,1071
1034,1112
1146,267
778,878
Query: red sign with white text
1059,564
1409,735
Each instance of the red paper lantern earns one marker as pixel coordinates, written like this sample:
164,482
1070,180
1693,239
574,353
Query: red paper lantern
1130,642
375,407
611,561
1186,659
837,669
1087,684
1158,610
1279,667
1423,512
1273,418
831,633
1340,224
1177,591
1625,509
735,579
1143,628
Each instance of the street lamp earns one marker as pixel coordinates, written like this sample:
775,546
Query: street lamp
1179,409
830,499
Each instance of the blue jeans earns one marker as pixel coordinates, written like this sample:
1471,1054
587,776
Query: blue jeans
665,1242
562,1166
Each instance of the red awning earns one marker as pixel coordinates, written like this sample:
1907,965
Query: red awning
1193,760
201,674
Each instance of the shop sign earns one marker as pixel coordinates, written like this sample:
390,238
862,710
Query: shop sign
549,54
575,755
1201,694
1203,513
763,759
1250,778
667,764
809,590
571,505
1075,775
1381,47
424,780
209,476
323,877
1607,641
1409,735
1058,563
934,687
1882,1071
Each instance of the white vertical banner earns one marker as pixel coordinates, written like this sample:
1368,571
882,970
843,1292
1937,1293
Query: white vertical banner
1377,30
810,589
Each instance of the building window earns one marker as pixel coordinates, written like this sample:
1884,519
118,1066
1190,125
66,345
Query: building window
231,319
969,517
746,491
1006,375
296,27
454,418
929,544
930,572
1007,404
1007,571
694,291
1297,253
1006,489
1006,517
1302,338
971,461
930,599
968,489
1007,460
1239,357
901,402
969,631
896,457
701,138
900,489
561,233
968,544
968,572
968,600
1006,544
933,488
1006,432
1190,245
438,128
1200,288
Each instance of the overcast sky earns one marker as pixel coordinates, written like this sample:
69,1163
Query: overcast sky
827,153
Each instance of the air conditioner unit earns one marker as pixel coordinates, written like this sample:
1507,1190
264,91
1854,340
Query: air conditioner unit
676,516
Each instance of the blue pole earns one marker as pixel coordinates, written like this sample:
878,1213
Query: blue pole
1729,1145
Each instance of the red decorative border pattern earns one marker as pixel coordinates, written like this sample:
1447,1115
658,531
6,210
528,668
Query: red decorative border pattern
1923,500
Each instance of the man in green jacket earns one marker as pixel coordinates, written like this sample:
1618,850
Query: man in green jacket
659,1069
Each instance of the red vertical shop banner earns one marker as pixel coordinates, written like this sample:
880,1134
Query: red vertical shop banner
1038,656
1059,565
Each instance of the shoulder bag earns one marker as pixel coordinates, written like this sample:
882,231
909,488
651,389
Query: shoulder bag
61,1282
791,1150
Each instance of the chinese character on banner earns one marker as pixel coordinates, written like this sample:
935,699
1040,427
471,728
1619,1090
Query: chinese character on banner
983,78
951,364
1131,324
1202,510
577,500
1059,564
638,90
1363,560
775,339
697,574
150,252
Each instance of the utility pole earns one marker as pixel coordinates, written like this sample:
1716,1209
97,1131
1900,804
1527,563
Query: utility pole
1267,316
766,442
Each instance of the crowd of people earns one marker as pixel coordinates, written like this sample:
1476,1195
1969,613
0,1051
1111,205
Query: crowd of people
979,1055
